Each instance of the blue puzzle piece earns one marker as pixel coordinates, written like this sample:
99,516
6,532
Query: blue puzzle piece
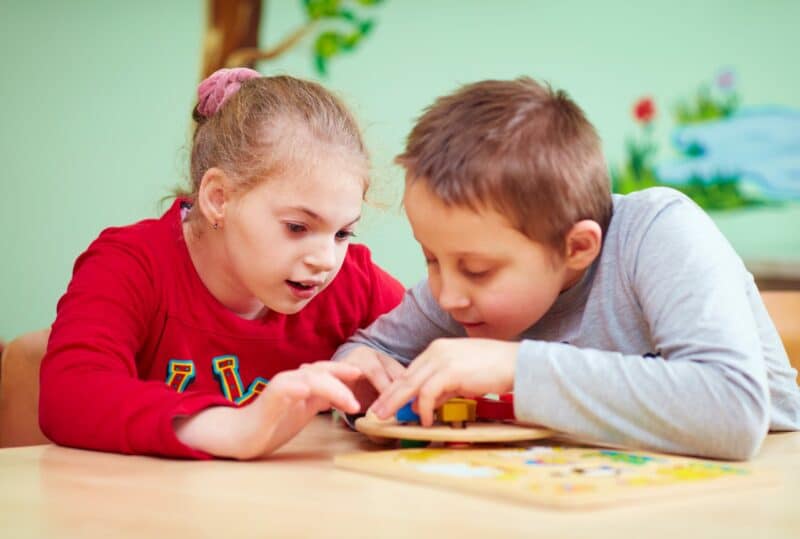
406,414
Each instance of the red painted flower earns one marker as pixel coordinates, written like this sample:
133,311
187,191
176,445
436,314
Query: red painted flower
644,110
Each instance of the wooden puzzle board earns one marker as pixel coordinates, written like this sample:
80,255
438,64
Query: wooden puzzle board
559,477
473,432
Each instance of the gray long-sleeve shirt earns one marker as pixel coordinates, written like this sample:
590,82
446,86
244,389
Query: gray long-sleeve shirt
664,343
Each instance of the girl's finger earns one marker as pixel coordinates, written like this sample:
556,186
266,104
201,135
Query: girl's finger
328,387
343,371
289,385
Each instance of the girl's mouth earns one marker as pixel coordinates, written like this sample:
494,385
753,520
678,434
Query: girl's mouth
300,286
302,290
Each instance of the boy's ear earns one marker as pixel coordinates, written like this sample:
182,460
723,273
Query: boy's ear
212,194
583,243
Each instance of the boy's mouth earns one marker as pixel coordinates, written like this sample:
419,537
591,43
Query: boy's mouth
470,324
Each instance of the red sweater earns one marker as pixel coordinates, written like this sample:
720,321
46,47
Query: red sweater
139,340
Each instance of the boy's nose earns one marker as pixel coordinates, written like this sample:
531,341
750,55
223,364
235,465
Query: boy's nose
452,298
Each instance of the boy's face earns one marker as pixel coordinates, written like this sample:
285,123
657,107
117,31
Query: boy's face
491,278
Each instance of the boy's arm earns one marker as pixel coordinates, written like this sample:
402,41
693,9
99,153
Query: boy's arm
704,393
400,335
404,332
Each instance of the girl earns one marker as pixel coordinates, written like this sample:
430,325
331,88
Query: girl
233,297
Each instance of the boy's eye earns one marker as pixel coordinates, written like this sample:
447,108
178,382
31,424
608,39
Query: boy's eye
295,228
344,235
475,274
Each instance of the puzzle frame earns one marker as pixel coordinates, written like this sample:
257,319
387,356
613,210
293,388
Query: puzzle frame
559,477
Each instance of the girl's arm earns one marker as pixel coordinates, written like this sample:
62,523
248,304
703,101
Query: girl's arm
90,394
289,402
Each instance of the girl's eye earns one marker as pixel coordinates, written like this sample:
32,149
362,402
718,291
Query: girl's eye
295,228
344,235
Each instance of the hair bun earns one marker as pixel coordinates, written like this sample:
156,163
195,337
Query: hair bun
214,91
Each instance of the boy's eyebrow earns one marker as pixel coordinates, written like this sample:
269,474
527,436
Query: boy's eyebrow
480,257
315,216
460,254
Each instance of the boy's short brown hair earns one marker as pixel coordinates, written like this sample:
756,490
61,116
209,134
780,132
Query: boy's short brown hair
517,147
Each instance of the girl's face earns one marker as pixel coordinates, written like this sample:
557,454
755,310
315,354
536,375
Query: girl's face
286,239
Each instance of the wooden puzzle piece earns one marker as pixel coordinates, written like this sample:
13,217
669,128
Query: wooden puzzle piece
406,414
457,412
500,409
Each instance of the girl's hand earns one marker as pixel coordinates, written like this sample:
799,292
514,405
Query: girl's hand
289,402
379,371
465,367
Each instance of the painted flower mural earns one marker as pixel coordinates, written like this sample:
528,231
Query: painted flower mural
729,156
644,110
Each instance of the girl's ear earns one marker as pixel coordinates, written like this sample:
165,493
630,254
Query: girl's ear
583,243
212,195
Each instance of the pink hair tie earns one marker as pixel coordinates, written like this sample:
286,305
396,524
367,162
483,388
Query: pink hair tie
220,86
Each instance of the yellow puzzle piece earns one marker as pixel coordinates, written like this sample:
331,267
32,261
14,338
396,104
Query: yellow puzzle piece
457,411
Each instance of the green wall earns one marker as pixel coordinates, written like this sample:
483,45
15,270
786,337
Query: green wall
96,99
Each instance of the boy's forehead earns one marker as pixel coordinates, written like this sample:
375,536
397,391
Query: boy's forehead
458,230
420,201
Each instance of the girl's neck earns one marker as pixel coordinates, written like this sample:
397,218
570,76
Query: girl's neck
207,254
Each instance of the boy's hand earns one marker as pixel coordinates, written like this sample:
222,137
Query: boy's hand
465,367
379,371
290,400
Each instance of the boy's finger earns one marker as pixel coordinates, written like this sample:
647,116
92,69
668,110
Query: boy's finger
428,396
444,397
393,368
384,406
401,391
377,375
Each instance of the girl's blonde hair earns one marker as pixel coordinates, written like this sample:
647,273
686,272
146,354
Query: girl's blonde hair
246,130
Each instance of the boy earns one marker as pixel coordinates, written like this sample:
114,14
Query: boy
626,320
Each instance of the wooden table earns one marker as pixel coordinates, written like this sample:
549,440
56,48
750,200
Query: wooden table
54,492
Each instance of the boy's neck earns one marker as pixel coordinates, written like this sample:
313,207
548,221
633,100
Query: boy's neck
572,278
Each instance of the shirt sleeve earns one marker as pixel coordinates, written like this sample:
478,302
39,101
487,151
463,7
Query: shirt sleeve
90,393
704,393
404,332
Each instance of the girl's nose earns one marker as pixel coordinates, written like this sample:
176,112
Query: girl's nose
323,258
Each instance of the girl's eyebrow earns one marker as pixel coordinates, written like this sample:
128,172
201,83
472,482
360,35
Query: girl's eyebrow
316,217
